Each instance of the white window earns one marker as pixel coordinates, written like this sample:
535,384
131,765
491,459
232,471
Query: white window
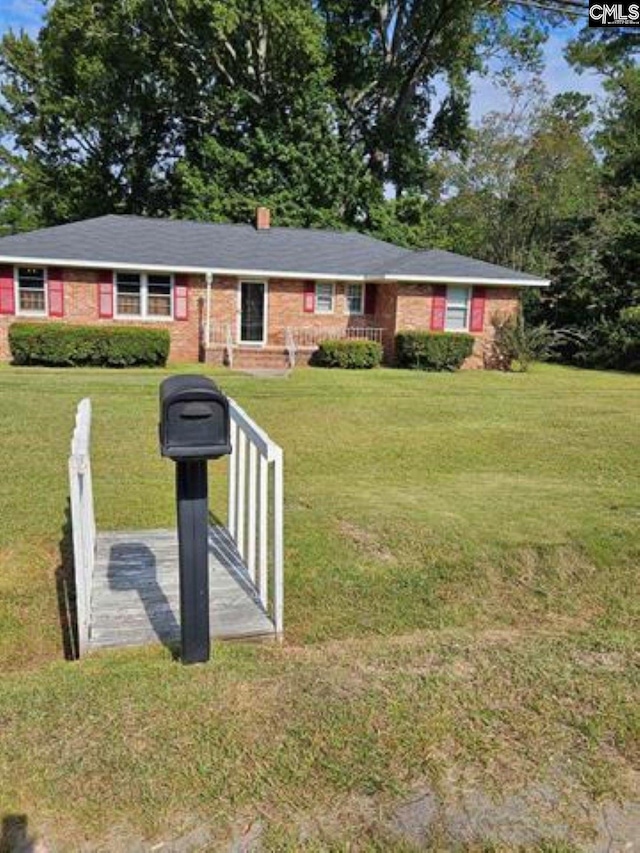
140,295
457,318
324,298
354,298
32,290
129,294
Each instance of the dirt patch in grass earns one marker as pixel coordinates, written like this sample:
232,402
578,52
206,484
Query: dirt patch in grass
545,817
367,543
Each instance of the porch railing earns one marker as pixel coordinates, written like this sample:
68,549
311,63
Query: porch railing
218,333
83,522
290,347
309,336
256,507
221,335
228,348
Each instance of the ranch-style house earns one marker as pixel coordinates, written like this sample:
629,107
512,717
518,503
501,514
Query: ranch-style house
248,296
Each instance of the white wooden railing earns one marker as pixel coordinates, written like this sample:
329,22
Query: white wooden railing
255,509
229,345
82,519
220,335
217,334
309,336
290,347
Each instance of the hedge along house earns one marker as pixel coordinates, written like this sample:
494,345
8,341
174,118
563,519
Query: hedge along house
248,296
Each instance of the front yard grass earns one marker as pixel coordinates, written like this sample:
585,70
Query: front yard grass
461,604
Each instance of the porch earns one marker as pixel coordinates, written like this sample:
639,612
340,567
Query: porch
288,347
126,582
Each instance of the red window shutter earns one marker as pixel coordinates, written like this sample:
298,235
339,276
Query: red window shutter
7,291
370,293
181,298
55,286
438,308
105,294
309,299
478,299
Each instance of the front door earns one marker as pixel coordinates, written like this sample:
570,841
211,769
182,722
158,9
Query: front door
252,312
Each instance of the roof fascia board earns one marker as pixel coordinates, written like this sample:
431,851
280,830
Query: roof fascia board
465,279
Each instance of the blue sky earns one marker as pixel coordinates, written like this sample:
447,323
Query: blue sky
20,13
558,76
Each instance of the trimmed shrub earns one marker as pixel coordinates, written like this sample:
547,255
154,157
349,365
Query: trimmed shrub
348,354
433,350
58,345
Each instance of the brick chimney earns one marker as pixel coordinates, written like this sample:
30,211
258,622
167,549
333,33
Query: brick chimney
263,218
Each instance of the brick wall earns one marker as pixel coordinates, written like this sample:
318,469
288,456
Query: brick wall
501,301
413,312
399,306
81,307
224,302
286,309
386,315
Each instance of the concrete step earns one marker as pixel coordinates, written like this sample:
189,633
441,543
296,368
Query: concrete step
260,357
249,358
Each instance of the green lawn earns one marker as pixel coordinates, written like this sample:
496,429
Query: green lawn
461,607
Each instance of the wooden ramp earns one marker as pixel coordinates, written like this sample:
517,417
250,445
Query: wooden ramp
135,594
126,583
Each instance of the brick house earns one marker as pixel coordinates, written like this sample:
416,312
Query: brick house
248,296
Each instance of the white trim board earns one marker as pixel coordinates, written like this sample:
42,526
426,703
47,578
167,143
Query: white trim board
267,274
470,280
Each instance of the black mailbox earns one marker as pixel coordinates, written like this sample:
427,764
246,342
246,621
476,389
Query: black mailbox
194,419
194,427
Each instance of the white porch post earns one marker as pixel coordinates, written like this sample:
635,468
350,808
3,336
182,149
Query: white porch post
207,313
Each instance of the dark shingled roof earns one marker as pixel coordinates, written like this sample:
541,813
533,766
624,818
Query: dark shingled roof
178,244
448,264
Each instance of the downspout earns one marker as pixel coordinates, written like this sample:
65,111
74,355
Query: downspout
207,311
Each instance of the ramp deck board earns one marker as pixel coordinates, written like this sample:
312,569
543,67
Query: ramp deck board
135,593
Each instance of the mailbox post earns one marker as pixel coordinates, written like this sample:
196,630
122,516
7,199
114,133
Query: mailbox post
194,427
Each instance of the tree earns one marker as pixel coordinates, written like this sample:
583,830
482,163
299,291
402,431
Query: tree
270,134
604,49
16,213
596,273
111,109
528,169
401,73
209,106
298,169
